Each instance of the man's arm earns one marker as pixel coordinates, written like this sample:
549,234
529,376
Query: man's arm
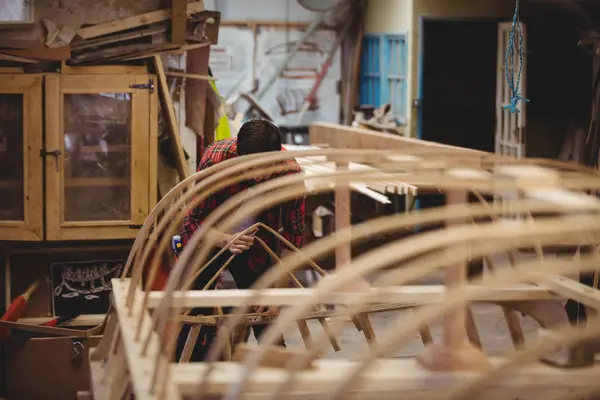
292,214
193,221
293,221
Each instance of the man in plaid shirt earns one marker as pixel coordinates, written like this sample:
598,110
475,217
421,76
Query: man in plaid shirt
251,259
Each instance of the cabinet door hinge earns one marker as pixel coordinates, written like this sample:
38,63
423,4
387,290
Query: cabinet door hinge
149,86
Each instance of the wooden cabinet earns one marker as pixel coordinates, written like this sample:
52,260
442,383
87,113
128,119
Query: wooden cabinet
98,156
21,130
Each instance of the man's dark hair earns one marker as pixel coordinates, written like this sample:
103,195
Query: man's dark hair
258,136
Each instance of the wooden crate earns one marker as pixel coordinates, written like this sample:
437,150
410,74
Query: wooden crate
48,368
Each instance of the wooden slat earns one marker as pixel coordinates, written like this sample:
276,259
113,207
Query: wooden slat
9,57
190,76
135,21
179,24
167,104
86,44
571,289
389,379
345,137
426,294
55,53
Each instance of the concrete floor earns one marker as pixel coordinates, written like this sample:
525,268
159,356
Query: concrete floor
489,319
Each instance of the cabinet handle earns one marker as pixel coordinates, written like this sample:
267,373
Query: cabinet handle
53,153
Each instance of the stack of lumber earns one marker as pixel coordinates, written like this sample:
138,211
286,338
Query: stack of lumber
183,27
24,52
315,165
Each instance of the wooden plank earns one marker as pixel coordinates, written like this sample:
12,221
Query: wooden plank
167,105
11,70
8,57
240,23
179,21
142,378
135,21
51,330
571,289
195,94
55,53
426,294
11,43
81,320
157,49
276,357
190,76
346,137
258,319
104,70
102,41
389,378
114,52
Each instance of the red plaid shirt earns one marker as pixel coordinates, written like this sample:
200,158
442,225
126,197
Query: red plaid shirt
292,212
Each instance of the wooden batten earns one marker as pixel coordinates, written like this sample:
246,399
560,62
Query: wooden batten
346,137
135,21
289,297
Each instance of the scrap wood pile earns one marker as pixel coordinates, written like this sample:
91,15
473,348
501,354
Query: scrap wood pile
181,28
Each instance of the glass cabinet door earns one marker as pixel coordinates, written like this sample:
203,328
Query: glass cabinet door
21,196
98,152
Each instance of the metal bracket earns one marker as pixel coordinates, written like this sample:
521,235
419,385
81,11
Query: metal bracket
149,86
53,153
78,349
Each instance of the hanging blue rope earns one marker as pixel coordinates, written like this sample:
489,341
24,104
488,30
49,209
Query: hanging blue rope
510,60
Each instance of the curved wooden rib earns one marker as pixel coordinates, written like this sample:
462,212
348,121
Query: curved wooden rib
294,189
508,233
394,253
409,179
411,218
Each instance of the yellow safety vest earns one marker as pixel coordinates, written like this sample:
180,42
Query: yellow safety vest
222,130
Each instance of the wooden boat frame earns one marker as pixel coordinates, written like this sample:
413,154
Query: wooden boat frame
136,351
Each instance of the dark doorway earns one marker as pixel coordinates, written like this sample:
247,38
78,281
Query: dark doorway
458,91
459,83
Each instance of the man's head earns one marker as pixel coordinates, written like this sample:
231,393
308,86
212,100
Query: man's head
258,136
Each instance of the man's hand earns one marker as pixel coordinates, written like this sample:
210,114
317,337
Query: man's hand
285,252
241,244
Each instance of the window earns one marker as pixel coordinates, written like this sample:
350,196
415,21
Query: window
383,73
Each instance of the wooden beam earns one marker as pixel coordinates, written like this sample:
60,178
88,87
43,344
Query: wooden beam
81,320
190,76
195,94
390,378
173,126
8,57
86,44
135,21
11,70
179,21
346,137
571,289
104,70
250,24
54,53
140,370
416,294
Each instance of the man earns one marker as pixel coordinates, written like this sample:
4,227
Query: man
251,259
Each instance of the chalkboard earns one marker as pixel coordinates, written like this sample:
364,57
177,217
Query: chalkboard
83,287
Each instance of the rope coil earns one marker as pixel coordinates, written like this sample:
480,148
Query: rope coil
510,56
